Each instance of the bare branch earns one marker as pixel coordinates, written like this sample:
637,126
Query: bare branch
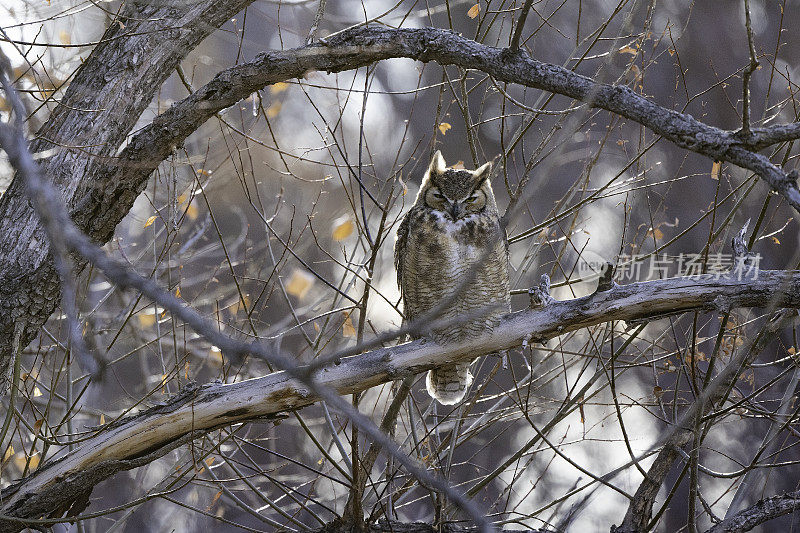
763,511
210,406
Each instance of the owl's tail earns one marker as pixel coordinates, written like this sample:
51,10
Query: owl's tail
448,384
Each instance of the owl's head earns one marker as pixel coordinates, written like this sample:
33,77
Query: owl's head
456,193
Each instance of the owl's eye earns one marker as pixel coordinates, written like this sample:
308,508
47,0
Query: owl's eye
437,194
472,198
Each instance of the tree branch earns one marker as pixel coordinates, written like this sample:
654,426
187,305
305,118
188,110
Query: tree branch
206,407
763,511
104,188
110,90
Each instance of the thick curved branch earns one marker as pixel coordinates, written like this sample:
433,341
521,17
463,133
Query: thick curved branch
367,44
105,99
210,406
102,187
763,511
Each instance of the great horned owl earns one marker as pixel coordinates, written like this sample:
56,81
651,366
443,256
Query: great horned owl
451,248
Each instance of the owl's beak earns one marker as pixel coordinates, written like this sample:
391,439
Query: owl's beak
455,210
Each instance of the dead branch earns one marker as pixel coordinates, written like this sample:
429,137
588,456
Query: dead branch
102,189
763,511
206,407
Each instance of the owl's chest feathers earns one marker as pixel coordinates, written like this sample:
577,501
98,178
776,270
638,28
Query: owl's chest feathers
464,237
445,251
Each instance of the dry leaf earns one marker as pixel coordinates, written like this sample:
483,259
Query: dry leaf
775,240
715,168
658,392
459,166
9,453
38,425
473,11
34,461
274,109
791,351
150,221
300,282
36,392
216,355
214,500
342,228
443,127
192,211
102,419
210,460
628,50
347,328
146,318
278,88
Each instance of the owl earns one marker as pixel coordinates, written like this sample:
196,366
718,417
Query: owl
451,252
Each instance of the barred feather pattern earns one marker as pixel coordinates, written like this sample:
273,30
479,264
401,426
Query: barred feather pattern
458,260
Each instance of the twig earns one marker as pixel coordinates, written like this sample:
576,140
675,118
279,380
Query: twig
514,45
312,33
748,71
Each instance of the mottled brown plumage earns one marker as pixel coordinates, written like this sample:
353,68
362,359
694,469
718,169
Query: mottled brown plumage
451,249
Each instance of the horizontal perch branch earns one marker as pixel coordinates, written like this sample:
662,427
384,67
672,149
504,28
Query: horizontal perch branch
202,408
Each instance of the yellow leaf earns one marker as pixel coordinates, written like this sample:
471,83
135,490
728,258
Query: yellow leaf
102,419
213,500
342,228
278,88
347,328
459,166
300,283
443,127
216,355
9,453
775,240
715,168
177,292
204,172
64,37
192,211
628,50
473,11
150,221
186,370
274,109
36,392
34,461
182,199
792,350
146,319
210,461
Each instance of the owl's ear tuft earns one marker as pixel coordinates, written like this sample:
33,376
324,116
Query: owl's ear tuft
437,166
482,172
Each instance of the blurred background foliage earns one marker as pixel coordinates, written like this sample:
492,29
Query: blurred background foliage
277,219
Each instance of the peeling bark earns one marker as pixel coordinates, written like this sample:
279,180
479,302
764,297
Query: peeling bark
153,432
